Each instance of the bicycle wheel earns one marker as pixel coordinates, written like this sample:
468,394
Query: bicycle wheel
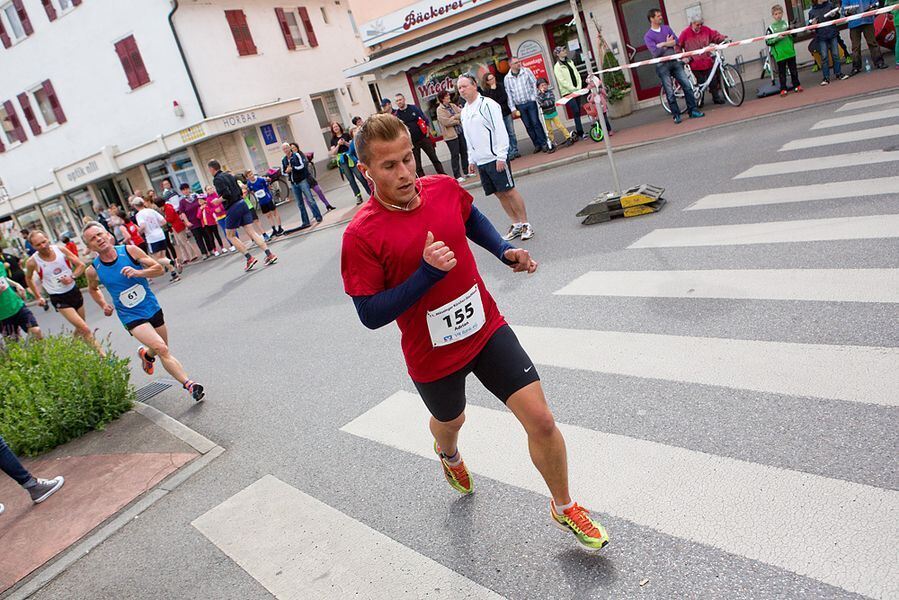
283,193
732,85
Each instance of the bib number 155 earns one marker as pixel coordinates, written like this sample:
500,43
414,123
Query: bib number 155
460,315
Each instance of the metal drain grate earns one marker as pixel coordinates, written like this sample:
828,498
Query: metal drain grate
152,389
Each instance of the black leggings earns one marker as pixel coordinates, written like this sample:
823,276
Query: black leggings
213,235
426,145
200,238
794,73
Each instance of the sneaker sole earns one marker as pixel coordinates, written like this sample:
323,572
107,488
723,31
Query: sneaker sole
250,266
271,262
199,393
51,491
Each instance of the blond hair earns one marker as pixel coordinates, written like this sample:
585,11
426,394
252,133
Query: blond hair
777,8
378,128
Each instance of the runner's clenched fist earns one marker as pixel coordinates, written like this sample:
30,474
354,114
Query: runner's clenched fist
438,254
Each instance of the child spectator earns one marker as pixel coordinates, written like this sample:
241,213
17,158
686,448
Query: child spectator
206,214
69,244
259,188
826,38
599,98
783,51
547,101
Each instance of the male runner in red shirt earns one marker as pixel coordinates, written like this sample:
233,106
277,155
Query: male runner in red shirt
406,258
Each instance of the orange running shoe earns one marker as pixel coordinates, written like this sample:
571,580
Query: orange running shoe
146,361
589,532
456,475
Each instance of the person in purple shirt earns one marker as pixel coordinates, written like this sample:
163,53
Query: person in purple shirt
662,41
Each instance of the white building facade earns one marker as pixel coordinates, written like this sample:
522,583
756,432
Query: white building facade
101,98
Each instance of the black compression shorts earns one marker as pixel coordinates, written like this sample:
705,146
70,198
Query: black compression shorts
503,367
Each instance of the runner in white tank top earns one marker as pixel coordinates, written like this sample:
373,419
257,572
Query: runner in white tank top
58,269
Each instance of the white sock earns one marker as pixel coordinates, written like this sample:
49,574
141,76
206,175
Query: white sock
560,508
518,225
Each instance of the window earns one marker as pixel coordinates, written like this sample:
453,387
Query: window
14,23
349,91
58,219
324,15
25,103
296,27
237,21
353,23
12,127
43,105
132,63
54,8
327,109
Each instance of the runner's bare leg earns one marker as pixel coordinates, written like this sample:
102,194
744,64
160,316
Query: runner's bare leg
155,340
447,433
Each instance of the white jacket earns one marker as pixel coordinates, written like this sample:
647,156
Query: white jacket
485,131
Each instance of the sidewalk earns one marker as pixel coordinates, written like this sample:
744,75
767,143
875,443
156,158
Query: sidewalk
651,124
105,472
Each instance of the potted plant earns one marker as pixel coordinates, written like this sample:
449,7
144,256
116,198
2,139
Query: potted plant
618,88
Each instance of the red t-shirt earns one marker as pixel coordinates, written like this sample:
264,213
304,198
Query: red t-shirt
173,218
71,247
136,238
383,248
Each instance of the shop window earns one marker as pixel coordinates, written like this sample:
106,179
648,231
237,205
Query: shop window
28,111
178,168
15,25
82,203
132,62
30,220
12,127
429,80
243,39
58,219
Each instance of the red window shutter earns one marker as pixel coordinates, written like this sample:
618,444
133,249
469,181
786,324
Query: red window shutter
137,62
285,30
121,48
25,103
23,16
2,147
4,37
307,25
54,101
76,2
17,130
51,10
237,21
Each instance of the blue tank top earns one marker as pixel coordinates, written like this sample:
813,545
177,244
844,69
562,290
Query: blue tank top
133,299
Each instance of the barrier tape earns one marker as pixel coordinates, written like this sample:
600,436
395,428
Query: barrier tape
713,47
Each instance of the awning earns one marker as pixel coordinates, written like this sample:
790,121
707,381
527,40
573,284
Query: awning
469,36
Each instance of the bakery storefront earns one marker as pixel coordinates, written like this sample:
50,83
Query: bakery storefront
425,65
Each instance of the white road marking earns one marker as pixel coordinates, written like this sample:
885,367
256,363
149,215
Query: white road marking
865,374
808,230
887,113
804,165
838,532
298,548
878,101
891,131
825,285
800,193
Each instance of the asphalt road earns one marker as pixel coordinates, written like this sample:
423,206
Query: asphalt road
286,365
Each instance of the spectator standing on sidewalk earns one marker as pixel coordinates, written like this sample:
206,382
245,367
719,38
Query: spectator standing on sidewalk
450,117
783,51
661,41
259,186
417,124
188,210
697,36
895,27
185,248
827,39
313,184
569,81
547,101
386,106
488,147
494,89
521,89
862,27
340,145
297,169
38,489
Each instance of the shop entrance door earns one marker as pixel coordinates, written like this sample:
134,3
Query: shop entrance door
326,109
633,23
563,32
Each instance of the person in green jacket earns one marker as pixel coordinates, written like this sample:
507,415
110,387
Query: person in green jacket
569,81
14,315
783,51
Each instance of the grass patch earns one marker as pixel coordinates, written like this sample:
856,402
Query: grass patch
57,389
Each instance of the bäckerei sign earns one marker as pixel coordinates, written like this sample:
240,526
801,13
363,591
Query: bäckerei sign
413,17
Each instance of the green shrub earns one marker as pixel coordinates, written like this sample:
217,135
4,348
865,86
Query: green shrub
615,82
57,389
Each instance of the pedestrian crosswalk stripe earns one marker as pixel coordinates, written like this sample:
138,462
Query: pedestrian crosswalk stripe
809,230
869,102
887,113
838,532
827,285
800,193
804,165
842,138
865,374
298,548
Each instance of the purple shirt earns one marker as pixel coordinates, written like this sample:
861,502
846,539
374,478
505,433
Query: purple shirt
188,207
652,39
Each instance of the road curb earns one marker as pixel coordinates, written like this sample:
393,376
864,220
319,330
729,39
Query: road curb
596,153
208,450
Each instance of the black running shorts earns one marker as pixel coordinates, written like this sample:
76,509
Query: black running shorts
157,320
502,366
71,299
266,208
495,181
24,320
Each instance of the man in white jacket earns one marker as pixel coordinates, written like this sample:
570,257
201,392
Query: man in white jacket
488,147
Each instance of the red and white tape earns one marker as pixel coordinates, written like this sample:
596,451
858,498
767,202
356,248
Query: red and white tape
839,21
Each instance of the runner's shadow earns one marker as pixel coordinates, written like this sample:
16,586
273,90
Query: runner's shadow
227,288
587,571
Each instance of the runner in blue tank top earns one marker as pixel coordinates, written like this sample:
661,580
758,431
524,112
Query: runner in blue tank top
124,271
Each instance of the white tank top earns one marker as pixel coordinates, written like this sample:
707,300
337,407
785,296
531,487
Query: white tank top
52,270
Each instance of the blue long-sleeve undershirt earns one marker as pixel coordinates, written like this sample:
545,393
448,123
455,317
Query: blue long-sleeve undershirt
384,307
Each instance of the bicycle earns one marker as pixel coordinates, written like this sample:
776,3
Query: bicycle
731,84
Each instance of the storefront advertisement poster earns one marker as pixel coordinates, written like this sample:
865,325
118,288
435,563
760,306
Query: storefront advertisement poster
268,134
530,53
